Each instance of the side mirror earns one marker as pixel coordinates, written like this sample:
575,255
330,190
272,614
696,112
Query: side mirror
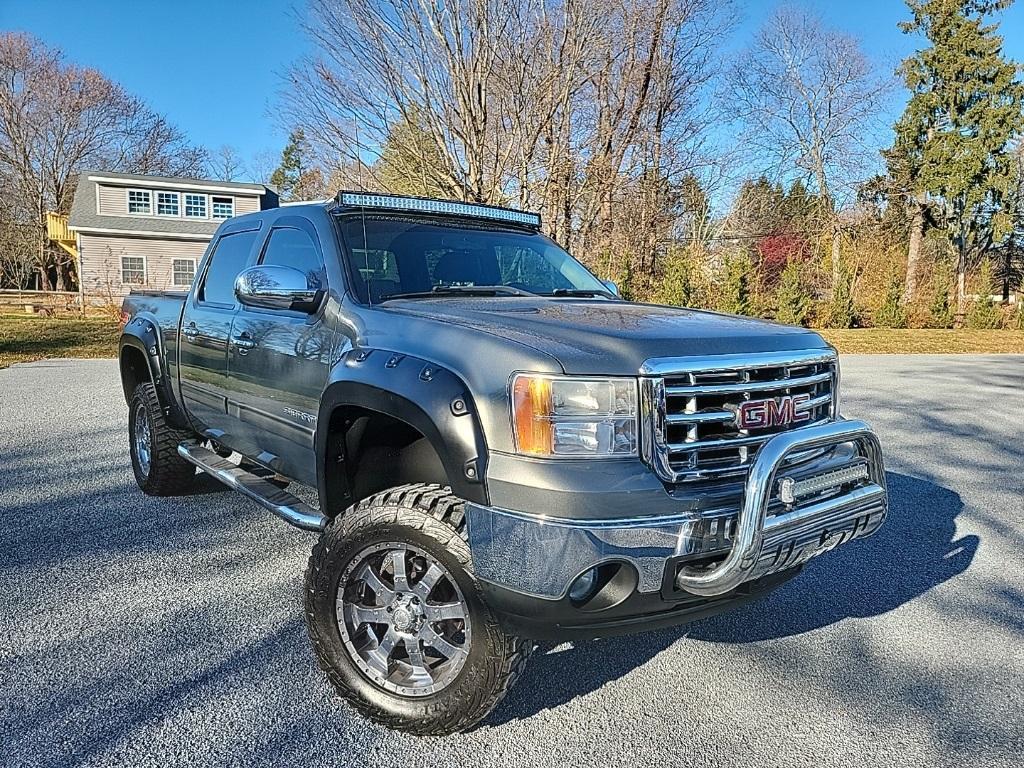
272,287
611,287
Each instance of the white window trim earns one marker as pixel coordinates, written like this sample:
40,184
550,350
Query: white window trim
156,204
183,258
254,189
127,201
222,197
145,269
207,208
143,233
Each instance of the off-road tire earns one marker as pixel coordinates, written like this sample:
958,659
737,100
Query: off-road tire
169,474
429,517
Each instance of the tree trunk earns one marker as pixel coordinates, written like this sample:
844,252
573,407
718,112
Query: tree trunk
837,269
961,288
914,250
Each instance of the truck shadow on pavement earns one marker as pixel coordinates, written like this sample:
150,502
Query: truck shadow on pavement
916,549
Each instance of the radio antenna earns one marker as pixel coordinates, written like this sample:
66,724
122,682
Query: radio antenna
362,218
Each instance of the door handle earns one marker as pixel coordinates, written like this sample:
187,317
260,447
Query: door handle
244,342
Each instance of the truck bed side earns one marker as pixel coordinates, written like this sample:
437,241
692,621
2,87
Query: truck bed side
152,320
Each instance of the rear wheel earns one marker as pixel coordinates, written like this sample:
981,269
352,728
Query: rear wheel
396,617
153,444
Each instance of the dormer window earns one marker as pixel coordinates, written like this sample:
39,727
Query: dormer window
139,201
223,207
195,206
167,203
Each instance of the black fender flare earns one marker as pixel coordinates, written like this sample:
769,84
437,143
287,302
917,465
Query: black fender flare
142,334
428,397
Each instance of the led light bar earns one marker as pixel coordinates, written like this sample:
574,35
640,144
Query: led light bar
427,205
791,490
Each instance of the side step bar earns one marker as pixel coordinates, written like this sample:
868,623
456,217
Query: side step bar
283,504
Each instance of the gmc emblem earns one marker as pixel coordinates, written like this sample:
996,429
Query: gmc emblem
774,412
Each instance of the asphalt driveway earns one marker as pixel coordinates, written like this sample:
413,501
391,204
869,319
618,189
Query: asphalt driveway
136,631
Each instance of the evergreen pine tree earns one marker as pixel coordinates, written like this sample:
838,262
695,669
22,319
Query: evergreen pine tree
792,298
940,313
892,314
840,312
294,166
409,161
677,289
952,142
735,290
984,314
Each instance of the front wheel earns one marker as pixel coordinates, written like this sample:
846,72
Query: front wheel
396,617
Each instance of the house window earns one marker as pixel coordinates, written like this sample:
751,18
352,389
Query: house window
133,270
167,203
182,272
223,207
139,201
195,206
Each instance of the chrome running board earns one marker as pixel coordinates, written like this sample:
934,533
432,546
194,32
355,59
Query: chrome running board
283,504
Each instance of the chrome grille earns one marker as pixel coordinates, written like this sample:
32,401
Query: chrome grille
690,407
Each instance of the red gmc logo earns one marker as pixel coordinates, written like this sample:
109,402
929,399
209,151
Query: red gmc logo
776,412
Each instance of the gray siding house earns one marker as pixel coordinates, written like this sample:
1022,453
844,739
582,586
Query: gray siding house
150,231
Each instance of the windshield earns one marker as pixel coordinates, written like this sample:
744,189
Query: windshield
396,255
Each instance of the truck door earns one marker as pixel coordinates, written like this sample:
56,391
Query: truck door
205,334
279,361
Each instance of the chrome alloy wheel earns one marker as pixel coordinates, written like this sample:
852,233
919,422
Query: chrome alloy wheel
143,439
403,619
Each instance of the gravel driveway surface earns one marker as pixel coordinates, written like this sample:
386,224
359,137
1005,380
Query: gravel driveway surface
137,631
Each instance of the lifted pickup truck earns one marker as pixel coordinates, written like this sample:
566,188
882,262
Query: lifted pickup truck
502,449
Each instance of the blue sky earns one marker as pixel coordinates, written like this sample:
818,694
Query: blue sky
213,68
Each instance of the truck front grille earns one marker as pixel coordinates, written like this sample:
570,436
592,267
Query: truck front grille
691,428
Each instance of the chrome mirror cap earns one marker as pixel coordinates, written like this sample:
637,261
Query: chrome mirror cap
274,287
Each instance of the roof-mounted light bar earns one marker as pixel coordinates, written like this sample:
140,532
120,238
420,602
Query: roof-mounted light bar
428,205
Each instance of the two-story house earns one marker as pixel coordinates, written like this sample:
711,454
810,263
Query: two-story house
150,231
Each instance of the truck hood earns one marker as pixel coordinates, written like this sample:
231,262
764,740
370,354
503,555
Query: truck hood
590,336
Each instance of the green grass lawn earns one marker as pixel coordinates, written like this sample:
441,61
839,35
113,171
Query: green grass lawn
924,341
24,338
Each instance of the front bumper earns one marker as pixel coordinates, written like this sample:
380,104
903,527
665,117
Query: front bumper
697,554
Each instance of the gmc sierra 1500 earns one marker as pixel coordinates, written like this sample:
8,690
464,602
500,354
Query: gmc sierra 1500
503,450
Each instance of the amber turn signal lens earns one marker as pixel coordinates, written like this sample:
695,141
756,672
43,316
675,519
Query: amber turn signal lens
531,407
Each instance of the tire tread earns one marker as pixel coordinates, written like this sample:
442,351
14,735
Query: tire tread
444,521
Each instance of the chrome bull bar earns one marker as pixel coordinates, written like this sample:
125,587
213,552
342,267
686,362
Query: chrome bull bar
754,529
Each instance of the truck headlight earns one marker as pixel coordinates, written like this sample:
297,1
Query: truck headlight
574,416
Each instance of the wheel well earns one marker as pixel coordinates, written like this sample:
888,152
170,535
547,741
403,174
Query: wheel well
369,451
134,370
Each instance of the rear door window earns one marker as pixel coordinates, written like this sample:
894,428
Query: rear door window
230,256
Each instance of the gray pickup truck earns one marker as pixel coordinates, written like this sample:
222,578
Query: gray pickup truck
502,449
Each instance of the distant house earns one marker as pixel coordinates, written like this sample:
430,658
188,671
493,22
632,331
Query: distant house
150,231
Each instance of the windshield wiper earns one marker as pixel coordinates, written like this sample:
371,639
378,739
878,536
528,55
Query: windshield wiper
581,292
460,290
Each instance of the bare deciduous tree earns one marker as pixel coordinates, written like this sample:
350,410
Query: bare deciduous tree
582,110
226,164
809,99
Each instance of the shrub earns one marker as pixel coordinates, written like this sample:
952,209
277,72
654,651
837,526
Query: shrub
677,287
940,312
840,312
984,314
892,313
792,298
734,296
